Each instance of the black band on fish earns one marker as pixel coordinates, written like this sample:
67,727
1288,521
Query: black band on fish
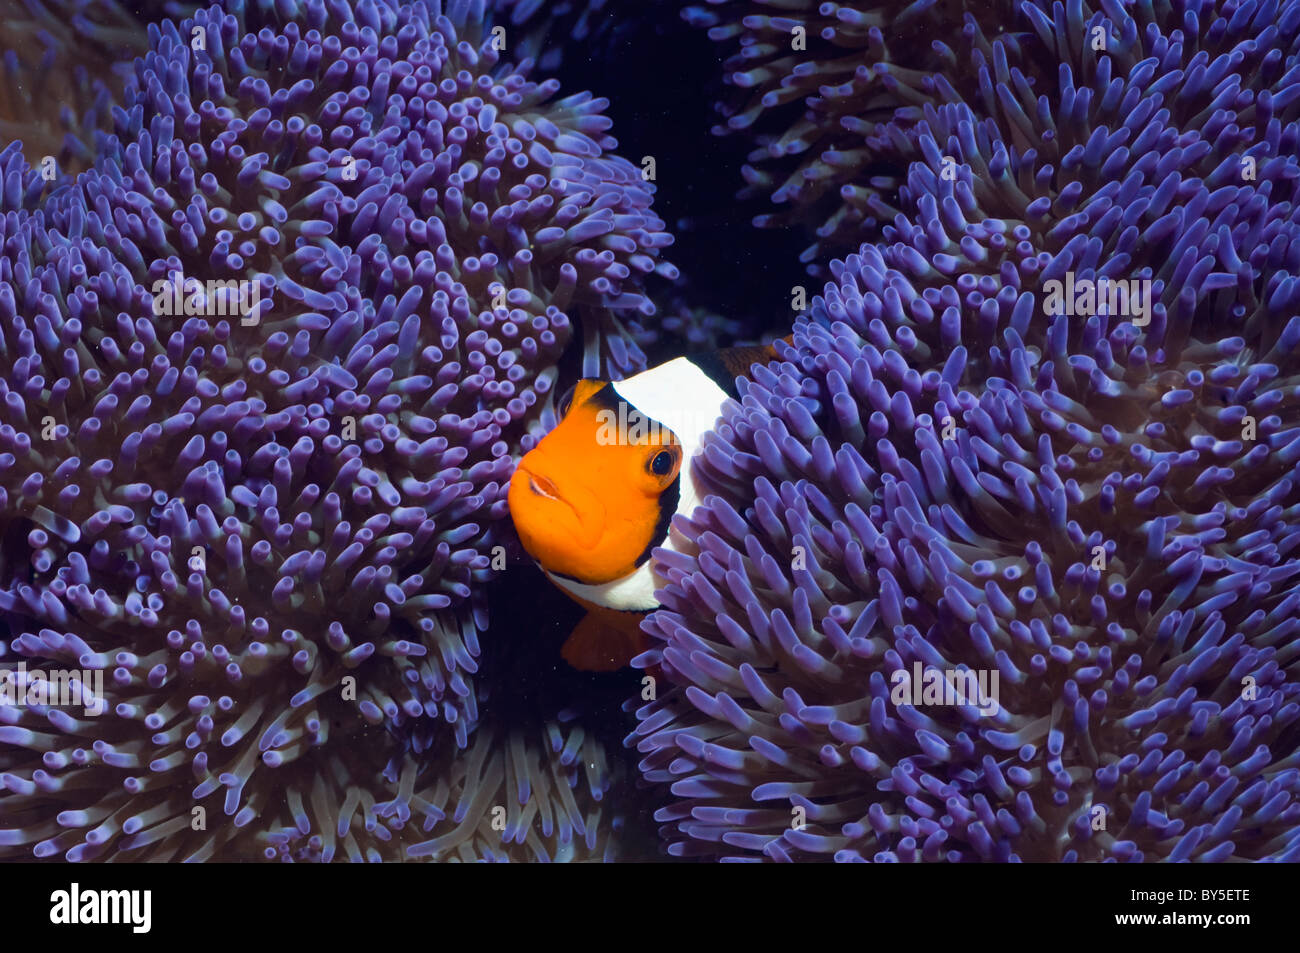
716,370
667,507
606,398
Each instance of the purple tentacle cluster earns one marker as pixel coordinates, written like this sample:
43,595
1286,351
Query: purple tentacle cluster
517,795
959,474
543,28
686,328
265,367
62,65
831,94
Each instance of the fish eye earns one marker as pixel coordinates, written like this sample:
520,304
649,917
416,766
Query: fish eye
565,400
663,462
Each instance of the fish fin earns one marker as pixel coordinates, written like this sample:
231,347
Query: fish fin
741,360
605,640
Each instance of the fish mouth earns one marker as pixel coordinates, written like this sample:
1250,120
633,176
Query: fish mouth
561,509
544,487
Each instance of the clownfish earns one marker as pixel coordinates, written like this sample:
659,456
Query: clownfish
597,494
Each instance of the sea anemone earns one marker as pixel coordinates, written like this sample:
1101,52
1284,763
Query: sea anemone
946,474
543,29
284,503
63,64
831,94
519,795
686,328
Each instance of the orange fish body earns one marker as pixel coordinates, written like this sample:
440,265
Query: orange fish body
596,495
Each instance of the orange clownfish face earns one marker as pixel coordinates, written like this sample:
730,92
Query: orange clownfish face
596,494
